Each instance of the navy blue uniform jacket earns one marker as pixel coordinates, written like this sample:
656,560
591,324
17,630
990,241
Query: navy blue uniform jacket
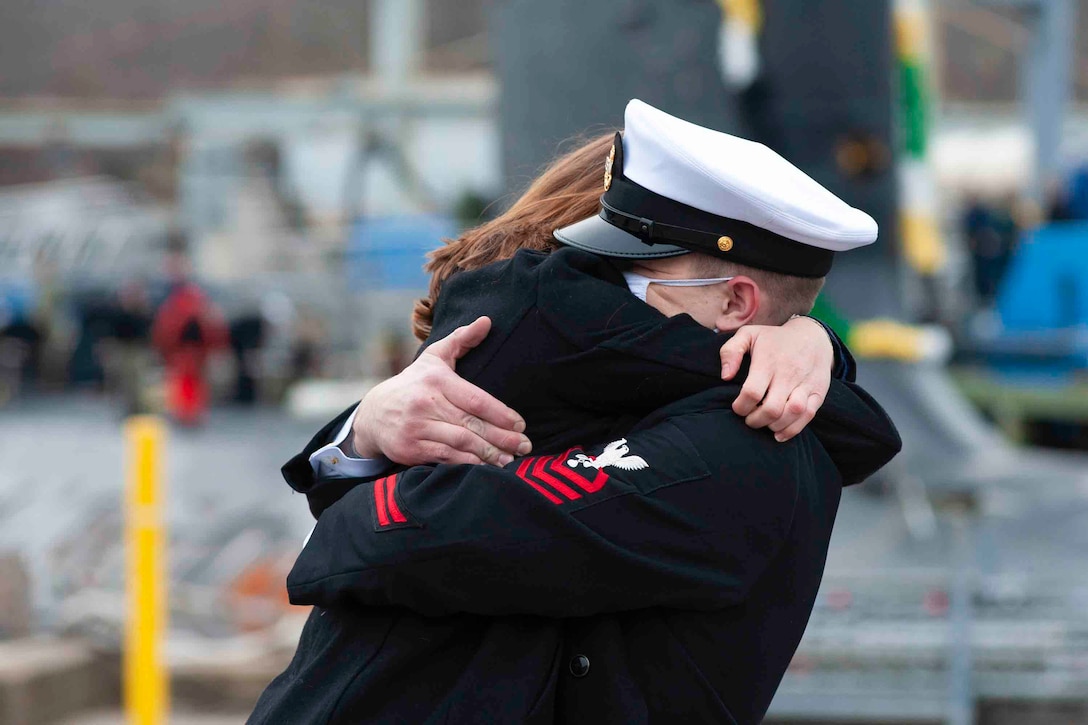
655,560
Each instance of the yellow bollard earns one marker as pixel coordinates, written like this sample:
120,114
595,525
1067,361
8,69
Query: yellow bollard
146,686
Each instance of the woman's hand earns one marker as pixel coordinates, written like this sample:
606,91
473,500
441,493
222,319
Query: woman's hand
788,378
428,414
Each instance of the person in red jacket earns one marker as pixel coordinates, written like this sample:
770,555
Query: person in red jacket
188,328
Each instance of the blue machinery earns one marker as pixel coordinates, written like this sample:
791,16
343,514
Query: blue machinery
1043,306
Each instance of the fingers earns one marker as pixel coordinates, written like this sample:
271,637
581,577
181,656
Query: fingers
753,390
734,350
471,335
504,440
798,414
772,407
431,429
815,400
473,401
458,444
437,442
795,407
788,378
434,452
454,345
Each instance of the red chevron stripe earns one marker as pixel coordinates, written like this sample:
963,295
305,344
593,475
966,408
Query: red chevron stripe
523,474
541,474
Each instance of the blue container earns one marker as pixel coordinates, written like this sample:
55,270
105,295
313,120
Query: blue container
1043,306
1046,286
389,252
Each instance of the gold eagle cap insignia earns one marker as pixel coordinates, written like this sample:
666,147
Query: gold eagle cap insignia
608,167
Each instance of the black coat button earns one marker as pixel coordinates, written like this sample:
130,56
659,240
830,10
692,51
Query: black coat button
579,665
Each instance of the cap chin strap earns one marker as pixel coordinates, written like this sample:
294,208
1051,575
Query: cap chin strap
651,232
661,220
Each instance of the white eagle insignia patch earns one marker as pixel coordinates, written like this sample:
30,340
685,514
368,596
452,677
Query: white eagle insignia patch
614,454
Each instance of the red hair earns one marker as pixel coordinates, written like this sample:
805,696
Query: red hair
566,192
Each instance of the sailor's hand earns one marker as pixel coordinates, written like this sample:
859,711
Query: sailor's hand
788,378
428,414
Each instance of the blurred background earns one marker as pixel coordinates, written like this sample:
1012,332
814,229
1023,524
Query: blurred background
217,213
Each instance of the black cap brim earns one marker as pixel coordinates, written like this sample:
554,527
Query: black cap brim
598,236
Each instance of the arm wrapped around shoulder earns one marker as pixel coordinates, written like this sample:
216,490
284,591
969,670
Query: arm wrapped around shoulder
667,516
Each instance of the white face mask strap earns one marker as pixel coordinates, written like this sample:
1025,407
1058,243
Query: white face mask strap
639,283
689,282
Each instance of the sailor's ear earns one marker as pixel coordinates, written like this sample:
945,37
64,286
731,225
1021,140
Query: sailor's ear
740,304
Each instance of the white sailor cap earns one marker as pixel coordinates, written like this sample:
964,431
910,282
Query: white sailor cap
671,187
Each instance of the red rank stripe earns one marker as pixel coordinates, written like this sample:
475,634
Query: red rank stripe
390,487
541,474
523,474
379,500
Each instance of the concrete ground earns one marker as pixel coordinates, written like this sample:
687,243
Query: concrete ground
61,492
62,480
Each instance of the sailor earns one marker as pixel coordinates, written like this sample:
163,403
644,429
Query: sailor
656,559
